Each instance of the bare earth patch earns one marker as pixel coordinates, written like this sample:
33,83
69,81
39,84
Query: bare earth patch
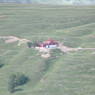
46,55
44,52
12,39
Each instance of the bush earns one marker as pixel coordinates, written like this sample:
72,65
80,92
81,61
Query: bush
21,79
16,80
29,44
12,83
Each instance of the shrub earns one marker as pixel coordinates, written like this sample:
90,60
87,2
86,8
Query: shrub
16,80
21,79
12,83
29,44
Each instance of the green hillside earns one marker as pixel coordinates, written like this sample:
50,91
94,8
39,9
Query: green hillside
67,74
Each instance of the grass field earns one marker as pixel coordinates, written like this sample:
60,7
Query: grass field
69,74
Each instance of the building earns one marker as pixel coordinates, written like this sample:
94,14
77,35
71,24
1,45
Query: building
49,44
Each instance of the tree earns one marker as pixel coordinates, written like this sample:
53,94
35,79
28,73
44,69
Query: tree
12,83
29,44
16,80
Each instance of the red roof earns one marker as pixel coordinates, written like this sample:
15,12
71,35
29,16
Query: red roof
50,41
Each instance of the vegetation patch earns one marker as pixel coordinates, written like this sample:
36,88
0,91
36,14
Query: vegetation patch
16,80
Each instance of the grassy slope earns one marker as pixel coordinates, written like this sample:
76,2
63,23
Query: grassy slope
69,74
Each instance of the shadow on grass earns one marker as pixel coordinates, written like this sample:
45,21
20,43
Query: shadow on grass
17,89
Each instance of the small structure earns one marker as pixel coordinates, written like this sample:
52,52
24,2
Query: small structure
49,44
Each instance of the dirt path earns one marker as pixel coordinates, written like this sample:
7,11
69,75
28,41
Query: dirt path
44,52
12,39
68,49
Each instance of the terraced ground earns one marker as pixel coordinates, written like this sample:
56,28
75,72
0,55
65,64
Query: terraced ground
62,74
